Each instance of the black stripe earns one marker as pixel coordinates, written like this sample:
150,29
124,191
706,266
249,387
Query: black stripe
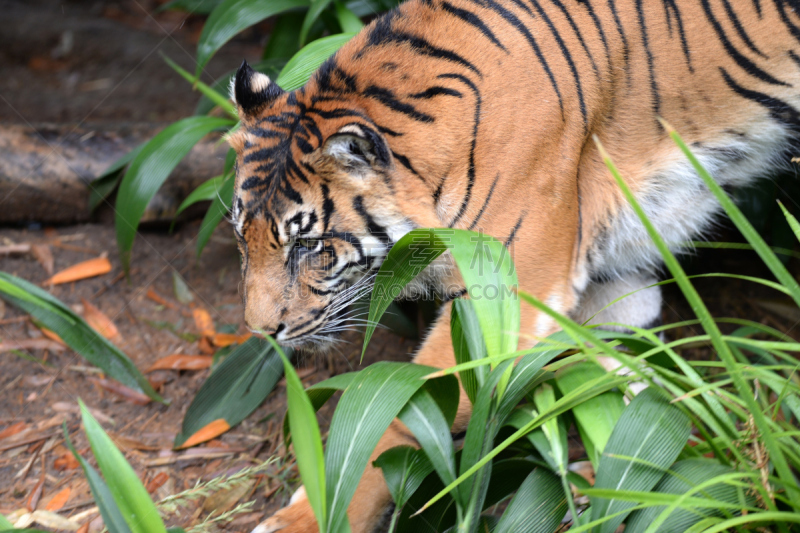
437,194
599,27
574,27
656,97
513,234
327,207
471,163
737,25
779,110
435,91
472,19
794,30
485,203
568,57
375,229
794,57
406,163
520,27
625,48
757,5
670,4
744,63
387,98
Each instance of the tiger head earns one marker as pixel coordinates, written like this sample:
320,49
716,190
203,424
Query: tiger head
312,209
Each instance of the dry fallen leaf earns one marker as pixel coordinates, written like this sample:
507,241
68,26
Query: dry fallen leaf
207,432
86,269
32,344
66,462
121,390
44,255
159,479
59,500
157,298
53,521
99,321
35,495
182,362
205,326
204,345
226,339
13,429
52,335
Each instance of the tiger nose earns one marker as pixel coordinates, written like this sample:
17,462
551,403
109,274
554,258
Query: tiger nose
266,329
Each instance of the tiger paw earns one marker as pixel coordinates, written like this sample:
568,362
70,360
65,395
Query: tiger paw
298,517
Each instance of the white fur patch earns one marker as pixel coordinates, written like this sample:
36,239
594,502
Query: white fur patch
259,82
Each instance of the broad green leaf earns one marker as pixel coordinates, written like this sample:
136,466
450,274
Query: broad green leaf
305,62
360,419
507,476
314,11
433,520
538,506
235,389
793,223
102,496
233,16
307,439
220,206
207,190
219,98
195,7
404,468
690,477
595,419
485,265
283,42
150,168
104,184
348,21
423,417
646,440
57,317
5,524
132,499
544,397
709,325
468,345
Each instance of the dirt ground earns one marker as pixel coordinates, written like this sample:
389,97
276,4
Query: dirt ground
73,62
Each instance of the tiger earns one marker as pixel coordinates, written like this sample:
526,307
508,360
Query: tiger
482,115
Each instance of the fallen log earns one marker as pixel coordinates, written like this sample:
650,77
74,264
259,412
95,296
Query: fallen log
46,170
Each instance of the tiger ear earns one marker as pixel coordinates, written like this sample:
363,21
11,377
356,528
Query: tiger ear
252,90
357,147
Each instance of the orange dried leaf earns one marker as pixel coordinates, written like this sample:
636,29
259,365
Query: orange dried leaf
121,390
66,462
99,321
12,430
59,500
35,495
87,269
182,362
204,345
207,432
44,255
157,482
226,339
53,336
205,326
160,300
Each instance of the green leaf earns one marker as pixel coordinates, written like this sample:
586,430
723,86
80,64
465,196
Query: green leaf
182,292
468,345
102,496
5,524
348,21
269,67
305,62
236,388
233,16
56,316
219,98
207,190
314,11
595,419
688,477
150,168
195,7
538,506
404,468
131,497
793,223
360,419
283,42
220,206
105,183
425,420
646,440
307,440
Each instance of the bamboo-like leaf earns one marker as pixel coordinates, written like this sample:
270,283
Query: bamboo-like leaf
723,350
305,62
404,469
220,206
235,389
283,42
695,478
5,524
75,332
468,345
132,499
538,507
646,440
348,21
232,16
211,93
195,7
307,440
360,419
314,11
102,496
150,168
793,223
105,183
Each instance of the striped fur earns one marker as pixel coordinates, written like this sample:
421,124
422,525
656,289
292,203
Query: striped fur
479,114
